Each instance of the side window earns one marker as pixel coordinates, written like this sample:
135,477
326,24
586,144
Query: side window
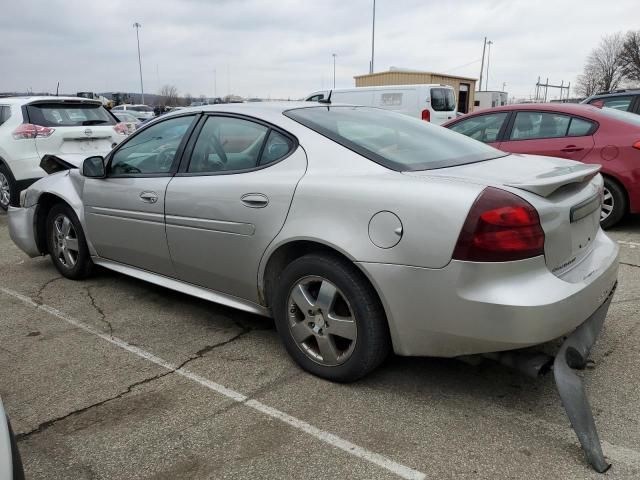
619,103
5,113
315,98
277,146
483,127
391,99
227,144
579,127
533,125
152,151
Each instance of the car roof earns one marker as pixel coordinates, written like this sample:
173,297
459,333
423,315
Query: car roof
615,93
44,98
569,108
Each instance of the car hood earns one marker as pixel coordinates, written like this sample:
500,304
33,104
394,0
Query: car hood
533,173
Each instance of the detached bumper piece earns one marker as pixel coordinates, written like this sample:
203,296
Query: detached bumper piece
573,354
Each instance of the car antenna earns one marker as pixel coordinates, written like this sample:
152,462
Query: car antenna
326,100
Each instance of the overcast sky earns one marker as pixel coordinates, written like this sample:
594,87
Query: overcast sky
282,48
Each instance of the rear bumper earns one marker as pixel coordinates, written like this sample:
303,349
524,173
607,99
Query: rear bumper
22,229
468,308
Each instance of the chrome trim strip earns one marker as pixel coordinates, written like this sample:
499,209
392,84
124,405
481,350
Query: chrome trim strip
183,287
130,214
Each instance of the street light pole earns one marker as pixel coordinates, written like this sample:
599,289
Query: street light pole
137,27
486,82
334,70
484,47
373,37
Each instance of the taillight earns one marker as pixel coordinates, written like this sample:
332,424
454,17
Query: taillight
636,145
121,128
29,130
500,227
426,115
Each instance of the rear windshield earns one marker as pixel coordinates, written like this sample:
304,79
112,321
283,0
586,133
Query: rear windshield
68,115
396,141
627,117
443,100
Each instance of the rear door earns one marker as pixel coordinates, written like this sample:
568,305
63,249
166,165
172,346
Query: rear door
124,212
229,201
77,128
442,103
550,134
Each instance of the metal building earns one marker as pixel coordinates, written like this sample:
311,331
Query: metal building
463,86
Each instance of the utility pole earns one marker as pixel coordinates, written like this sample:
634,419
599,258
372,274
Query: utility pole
373,37
215,83
484,47
504,85
334,70
137,27
486,80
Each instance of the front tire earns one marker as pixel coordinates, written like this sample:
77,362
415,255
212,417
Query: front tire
614,204
67,244
330,319
8,189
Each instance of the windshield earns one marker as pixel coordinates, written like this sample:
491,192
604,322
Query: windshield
443,100
68,114
396,141
627,117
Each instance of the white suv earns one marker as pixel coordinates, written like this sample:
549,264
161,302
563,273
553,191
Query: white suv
69,127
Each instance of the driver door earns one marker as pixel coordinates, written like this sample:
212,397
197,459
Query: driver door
124,212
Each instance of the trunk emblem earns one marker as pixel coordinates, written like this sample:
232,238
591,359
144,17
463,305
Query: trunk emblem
88,132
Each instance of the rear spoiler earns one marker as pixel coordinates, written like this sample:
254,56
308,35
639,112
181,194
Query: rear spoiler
545,184
52,164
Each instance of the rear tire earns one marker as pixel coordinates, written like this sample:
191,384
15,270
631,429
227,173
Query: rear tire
330,318
8,189
66,243
614,205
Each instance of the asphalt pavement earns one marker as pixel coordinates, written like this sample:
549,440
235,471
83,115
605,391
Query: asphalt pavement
115,378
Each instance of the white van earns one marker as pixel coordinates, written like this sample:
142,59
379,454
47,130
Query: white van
431,102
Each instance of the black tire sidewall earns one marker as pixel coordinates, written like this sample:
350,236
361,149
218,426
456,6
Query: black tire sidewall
16,460
83,265
372,342
619,204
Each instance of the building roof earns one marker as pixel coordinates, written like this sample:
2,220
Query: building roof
412,72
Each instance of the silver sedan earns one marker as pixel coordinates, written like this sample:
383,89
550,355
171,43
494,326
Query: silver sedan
359,230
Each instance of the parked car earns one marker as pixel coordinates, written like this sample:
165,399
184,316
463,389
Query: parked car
31,127
431,102
577,132
627,100
142,112
332,219
10,462
129,120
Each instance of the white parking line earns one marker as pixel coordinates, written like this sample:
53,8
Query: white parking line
326,437
629,244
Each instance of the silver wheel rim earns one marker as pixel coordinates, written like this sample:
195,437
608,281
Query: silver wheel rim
5,190
65,241
608,204
321,321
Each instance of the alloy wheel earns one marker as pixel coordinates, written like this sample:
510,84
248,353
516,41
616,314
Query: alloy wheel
321,321
65,241
5,191
608,204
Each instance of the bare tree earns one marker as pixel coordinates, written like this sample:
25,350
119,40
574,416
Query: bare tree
630,56
169,94
604,69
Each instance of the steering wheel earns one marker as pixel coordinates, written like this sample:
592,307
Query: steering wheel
217,146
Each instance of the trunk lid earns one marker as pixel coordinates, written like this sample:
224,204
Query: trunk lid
566,194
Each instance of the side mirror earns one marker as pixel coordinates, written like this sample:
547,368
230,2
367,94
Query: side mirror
93,167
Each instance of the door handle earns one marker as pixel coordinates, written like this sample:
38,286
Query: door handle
571,149
254,200
149,197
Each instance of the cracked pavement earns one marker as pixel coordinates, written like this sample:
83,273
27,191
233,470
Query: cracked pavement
83,408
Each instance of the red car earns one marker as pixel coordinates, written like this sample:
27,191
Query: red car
584,133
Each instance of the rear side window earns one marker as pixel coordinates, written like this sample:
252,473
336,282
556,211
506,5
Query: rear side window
483,127
580,127
622,103
5,113
391,99
68,115
443,99
532,125
315,98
